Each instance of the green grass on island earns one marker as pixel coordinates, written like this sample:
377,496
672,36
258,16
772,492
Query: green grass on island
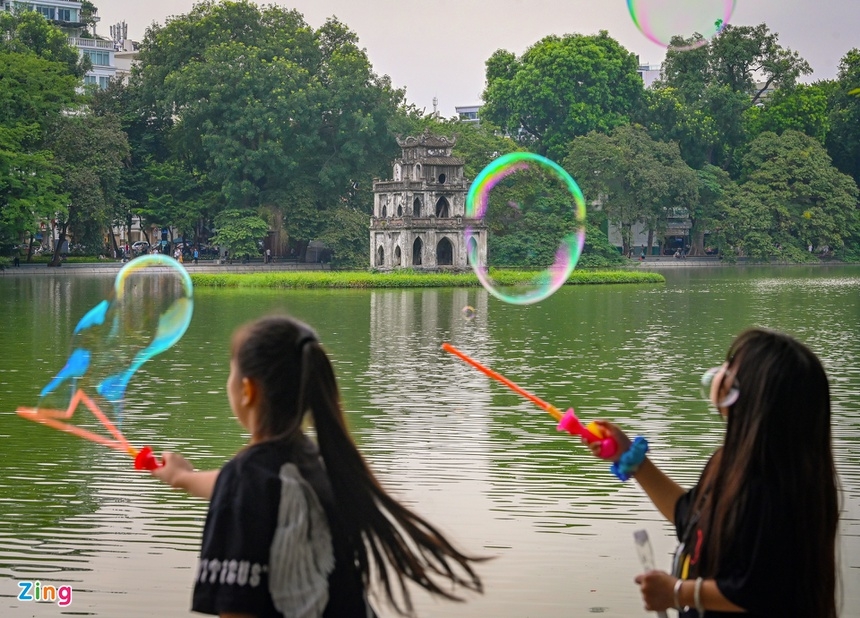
407,279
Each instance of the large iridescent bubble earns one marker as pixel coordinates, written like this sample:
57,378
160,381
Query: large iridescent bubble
533,215
696,21
149,311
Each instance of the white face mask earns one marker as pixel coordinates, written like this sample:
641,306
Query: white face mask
712,385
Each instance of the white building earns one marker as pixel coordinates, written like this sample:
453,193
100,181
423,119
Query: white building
66,14
649,74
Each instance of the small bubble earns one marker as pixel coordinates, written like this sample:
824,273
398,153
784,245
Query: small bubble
469,312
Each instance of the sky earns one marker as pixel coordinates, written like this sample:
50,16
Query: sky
438,49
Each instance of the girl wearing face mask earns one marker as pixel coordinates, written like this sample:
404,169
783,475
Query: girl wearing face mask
757,533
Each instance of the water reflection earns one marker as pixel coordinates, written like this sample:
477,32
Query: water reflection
488,467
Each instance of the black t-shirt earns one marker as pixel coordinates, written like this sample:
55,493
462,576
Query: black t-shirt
756,570
233,571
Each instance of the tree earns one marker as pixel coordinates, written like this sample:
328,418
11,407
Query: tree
34,92
560,88
89,151
805,200
635,179
266,108
240,231
722,80
843,141
801,108
28,31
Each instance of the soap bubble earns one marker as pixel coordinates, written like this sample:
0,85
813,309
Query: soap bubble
696,21
524,212
149,310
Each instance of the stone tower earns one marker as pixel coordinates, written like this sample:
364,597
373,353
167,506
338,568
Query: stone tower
418,217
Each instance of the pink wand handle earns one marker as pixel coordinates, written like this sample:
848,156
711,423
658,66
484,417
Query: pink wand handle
571,424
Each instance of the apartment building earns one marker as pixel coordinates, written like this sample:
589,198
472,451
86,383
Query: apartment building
66,14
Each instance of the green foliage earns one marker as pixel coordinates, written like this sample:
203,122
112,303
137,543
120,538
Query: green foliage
635,178
560,88
89,152
843,141
403,279
240,232
716,84
34,92
801,198
28,32
802,108
598,252
264,112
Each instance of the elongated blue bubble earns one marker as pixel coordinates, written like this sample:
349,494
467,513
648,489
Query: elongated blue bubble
149,311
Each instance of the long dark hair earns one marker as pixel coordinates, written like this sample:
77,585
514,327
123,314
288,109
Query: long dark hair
295,376
778,440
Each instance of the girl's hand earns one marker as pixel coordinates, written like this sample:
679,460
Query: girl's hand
613,431
174,469
657,589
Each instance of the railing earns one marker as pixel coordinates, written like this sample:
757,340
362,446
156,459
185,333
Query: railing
94,43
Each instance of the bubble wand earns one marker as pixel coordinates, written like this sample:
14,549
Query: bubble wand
143,459
567,421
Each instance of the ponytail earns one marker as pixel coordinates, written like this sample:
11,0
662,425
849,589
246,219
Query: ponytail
383,536
394,535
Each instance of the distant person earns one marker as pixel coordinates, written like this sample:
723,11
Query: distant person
196,255
677,254
296,526
268,256
757,532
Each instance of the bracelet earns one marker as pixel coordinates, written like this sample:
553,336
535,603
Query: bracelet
697,597
630,460
677,592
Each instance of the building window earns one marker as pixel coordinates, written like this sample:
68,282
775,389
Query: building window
104,82
46,11
444,253
417,248
64,15
442,208
380,256
98,58
90,80
416,207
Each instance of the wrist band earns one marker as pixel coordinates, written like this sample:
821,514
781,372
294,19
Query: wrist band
697,597
631,459
677,592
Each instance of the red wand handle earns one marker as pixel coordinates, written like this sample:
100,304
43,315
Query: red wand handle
146,460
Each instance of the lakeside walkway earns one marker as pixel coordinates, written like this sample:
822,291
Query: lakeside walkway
108,267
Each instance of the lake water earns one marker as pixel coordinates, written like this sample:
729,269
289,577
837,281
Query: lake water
486,466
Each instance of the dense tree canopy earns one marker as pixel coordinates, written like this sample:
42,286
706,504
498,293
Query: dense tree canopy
560,88
268,109
804,199
718,82
634,178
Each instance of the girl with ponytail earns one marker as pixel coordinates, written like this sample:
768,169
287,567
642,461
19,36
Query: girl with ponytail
296,528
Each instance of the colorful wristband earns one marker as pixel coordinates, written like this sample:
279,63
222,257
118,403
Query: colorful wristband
630,460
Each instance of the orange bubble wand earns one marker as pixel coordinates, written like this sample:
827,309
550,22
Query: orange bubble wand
567,421
143,459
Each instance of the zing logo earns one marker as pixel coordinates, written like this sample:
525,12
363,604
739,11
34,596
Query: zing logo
35,591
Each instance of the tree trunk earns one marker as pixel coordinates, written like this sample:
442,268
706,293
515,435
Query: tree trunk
61,240
30,249
650,241
697,246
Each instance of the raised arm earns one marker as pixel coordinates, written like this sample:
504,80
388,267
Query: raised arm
663,491
179,473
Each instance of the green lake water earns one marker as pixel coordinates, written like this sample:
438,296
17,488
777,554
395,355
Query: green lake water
486,466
